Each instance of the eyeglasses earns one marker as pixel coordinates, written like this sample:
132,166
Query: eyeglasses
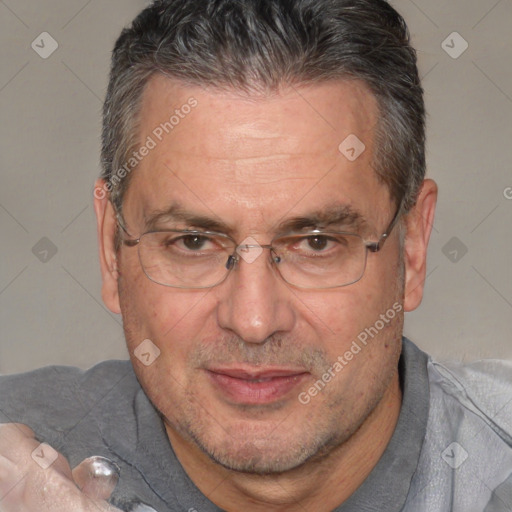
203,259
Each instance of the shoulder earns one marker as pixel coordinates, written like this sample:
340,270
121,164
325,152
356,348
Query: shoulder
53,397
483,387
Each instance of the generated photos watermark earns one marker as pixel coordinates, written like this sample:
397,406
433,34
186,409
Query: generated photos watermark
356,347
151,143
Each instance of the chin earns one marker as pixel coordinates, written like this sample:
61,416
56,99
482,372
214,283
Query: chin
264,453
251,460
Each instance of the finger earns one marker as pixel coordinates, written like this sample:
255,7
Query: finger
9,478
16,438
21,428
13,433
19,445
34,477
48,491
96,477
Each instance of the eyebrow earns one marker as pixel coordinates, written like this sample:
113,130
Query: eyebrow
176,213
337,216
334,216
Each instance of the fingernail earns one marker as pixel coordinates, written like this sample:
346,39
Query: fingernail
97,477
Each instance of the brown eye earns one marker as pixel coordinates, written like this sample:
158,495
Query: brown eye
317,243
194,242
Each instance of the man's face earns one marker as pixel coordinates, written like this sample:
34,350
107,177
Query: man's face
238,360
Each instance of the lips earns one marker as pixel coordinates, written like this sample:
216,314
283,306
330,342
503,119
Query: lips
255,386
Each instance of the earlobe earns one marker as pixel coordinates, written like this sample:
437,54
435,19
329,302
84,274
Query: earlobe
419,222
106,226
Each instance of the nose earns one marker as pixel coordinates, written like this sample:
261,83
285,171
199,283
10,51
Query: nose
254,302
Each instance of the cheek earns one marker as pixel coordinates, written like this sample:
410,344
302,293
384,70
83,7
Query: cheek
170,317
362,321
361,338
341,314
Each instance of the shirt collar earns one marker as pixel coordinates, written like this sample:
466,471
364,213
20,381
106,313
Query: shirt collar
387,486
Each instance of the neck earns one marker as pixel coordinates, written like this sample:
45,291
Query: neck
318,485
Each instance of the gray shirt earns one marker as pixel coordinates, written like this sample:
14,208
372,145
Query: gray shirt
451,449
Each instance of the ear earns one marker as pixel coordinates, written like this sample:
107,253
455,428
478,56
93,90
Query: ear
419,222
107,224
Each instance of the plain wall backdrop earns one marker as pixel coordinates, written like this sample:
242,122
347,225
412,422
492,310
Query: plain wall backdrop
55,58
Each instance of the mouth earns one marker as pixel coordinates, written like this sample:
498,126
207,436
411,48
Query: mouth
246,386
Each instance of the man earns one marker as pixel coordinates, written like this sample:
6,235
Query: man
263,222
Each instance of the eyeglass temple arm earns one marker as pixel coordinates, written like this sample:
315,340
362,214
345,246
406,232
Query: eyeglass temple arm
132,242
377,246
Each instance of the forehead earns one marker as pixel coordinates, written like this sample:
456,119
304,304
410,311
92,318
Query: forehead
224,153
226,117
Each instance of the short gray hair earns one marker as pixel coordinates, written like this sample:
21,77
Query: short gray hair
261,45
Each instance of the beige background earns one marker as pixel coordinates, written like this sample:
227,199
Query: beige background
51,312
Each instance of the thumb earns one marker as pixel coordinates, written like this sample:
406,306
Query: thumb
96,477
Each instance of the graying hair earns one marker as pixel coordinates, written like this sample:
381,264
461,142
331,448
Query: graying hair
259,46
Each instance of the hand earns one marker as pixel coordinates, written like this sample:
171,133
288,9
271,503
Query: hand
35,478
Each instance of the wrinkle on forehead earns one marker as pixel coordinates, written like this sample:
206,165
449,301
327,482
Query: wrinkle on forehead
251,160
289,119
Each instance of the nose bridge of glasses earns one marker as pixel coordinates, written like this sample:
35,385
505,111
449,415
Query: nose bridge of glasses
249,252
244,246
